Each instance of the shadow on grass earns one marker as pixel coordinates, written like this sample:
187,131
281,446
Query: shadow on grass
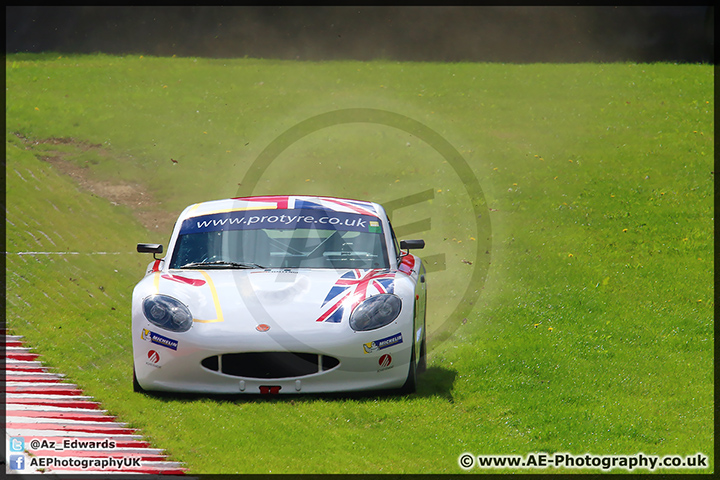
434,382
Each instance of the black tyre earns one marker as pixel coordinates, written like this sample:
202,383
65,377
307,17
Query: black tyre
411,383
136,386
422,361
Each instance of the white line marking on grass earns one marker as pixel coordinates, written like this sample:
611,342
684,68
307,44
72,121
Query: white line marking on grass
69,253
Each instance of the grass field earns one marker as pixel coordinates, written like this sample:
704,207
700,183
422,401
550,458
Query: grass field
593,331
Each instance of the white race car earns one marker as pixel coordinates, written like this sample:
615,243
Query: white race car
280,294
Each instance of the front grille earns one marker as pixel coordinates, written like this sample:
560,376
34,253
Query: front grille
270,364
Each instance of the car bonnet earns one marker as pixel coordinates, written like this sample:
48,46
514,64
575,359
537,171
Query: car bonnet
293,298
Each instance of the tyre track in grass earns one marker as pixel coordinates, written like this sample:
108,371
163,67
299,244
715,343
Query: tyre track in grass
40,405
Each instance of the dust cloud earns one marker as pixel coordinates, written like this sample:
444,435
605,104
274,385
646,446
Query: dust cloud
517,34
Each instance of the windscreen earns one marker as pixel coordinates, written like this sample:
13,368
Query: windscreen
281,238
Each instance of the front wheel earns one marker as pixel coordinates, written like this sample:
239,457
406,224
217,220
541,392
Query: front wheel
136,386
411,383
422,362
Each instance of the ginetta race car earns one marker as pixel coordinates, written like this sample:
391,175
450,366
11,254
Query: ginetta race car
280,294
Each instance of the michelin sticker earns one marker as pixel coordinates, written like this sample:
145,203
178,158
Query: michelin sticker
383,343
158,339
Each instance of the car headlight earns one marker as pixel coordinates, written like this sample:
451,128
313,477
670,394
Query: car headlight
375,312
167,312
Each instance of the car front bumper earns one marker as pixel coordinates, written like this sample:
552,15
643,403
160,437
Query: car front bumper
198,360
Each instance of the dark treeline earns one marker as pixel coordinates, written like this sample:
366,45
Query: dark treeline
486,34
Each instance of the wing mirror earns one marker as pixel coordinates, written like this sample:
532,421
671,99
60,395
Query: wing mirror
154,248
414,244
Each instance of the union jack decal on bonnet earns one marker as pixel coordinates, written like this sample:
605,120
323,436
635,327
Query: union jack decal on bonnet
355,285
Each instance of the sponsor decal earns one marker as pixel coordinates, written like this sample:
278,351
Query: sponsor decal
385,362
262,327
358,284
158,339
374,227
383,343
153,359
303,217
